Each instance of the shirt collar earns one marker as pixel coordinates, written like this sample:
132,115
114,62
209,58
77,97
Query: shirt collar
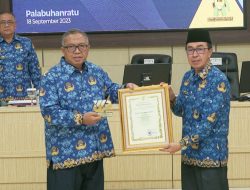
204,72
16,37
70,69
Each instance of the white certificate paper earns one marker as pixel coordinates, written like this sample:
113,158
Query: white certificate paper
146,118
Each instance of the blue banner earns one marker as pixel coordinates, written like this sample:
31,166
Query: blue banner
49,16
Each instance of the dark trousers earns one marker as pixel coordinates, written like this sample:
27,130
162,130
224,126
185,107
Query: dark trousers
84,177
197,178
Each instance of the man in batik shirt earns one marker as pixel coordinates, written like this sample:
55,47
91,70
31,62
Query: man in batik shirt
204,105
77,139
19,66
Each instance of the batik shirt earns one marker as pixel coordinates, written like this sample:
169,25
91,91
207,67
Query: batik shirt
66,94
204,105
19,67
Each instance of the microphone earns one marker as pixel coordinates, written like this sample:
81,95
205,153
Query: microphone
233,97
226,63
226,73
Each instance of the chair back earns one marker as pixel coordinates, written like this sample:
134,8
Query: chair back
151,59
154,59
227,63
244,77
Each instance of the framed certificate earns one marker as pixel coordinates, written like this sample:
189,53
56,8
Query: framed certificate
146,118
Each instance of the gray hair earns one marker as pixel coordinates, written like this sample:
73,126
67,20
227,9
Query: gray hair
74,31
7,12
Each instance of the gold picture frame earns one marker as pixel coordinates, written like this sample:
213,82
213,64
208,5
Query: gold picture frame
146,118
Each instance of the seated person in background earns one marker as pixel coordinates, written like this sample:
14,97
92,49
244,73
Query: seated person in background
77,139
19,66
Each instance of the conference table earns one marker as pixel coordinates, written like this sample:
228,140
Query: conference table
23,163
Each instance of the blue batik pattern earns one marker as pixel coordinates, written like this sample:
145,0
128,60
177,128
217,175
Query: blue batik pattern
65,94
204,105
19,67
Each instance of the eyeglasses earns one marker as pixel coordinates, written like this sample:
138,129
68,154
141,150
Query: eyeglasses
80,47
199,50
6,22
